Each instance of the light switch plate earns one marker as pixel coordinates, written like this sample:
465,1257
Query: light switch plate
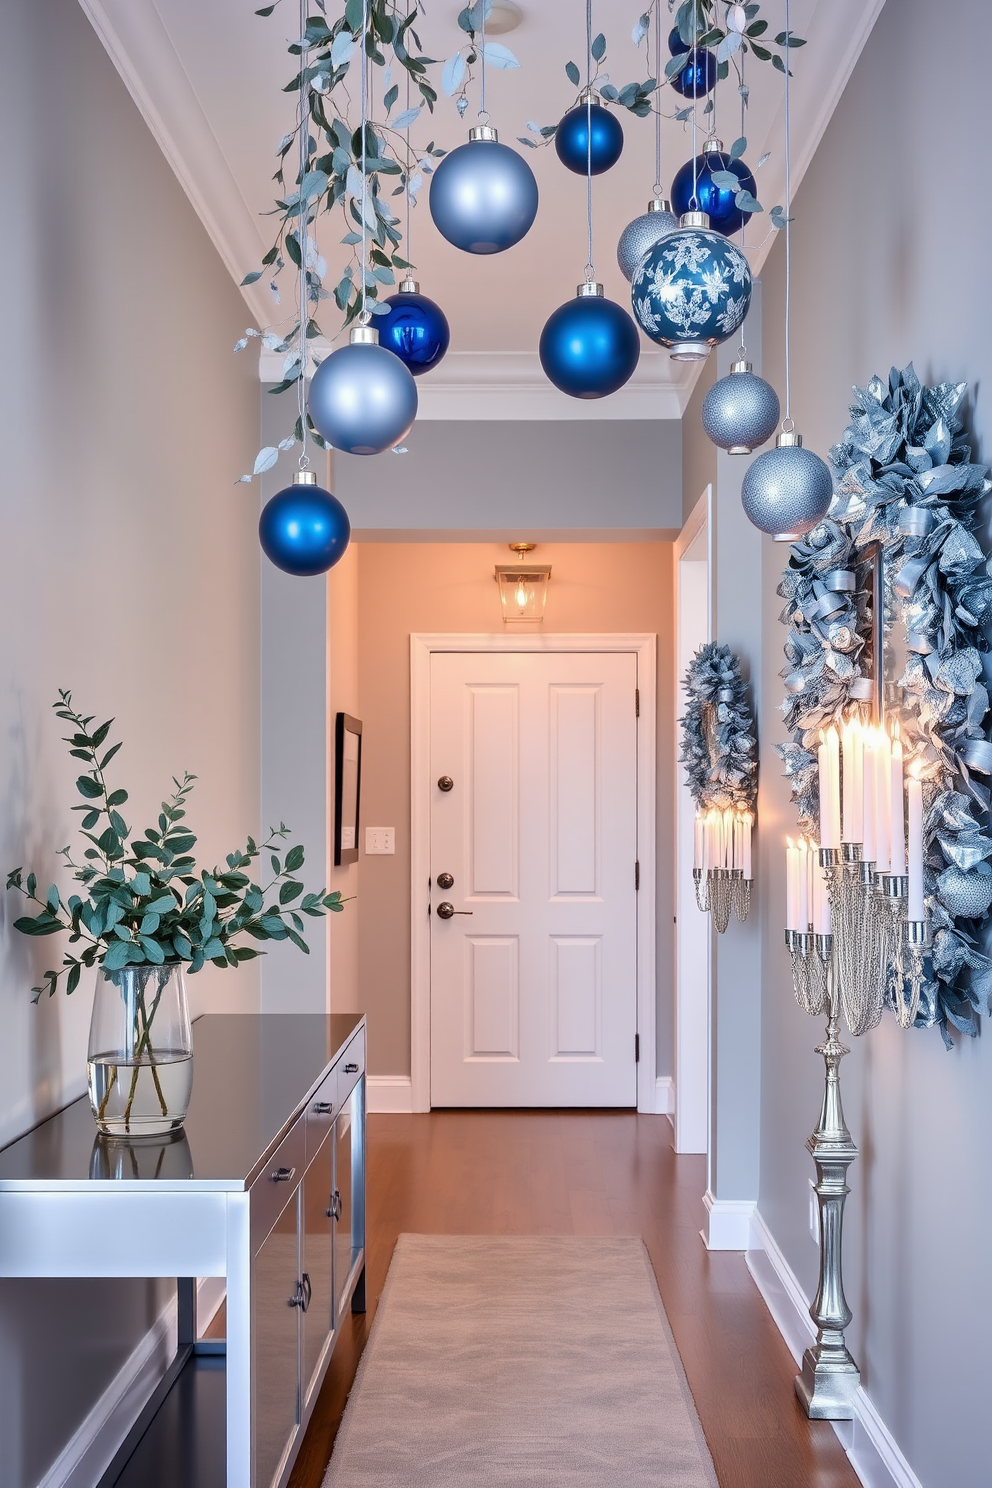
380,841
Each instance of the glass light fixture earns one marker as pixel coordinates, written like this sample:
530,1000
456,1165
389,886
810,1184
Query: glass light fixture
523,588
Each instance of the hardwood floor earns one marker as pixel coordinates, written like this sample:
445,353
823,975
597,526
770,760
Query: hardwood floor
551,1173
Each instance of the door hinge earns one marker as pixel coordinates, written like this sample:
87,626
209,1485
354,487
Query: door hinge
637,1048
637,702
637,875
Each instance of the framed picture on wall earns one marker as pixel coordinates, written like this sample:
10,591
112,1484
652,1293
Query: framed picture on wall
347,787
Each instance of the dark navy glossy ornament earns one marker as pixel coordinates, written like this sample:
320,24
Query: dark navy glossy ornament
415,329
698,76
692,290
676,45
573,135
694,189
483,195
304,530
589,346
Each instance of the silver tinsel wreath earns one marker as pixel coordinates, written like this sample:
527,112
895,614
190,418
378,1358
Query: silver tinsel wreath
905,478
719,744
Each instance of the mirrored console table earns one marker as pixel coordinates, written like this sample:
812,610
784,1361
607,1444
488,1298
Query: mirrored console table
265,1187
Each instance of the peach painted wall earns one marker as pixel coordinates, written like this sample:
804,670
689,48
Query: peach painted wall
448,587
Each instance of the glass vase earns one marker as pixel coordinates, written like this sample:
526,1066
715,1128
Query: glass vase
140,1058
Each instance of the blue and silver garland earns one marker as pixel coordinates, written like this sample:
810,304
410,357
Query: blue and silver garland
905,478
719,743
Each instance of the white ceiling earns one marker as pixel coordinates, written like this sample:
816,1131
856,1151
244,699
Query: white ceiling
208,78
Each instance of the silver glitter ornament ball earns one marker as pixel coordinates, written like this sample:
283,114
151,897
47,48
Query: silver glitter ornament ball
788,489
966,894
740,411
640,236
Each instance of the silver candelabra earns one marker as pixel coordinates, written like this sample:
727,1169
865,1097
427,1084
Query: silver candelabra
721,892
872,955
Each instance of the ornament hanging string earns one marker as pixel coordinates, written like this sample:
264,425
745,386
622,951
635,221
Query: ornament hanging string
483,113
409,203
658,189
787,421
304,233
742,350
590,268
694,201
364,317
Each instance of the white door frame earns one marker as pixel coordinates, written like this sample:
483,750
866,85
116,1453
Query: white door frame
421,647
693,931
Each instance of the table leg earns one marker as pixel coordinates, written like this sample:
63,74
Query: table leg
239,1343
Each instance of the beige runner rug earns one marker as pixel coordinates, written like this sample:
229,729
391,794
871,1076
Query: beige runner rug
506,1360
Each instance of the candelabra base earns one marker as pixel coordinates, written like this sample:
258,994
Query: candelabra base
829,1383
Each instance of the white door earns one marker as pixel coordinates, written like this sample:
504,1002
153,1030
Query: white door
534,975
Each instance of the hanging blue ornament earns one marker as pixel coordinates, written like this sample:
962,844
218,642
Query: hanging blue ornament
641,234
740,411
304,530
694,189
692,290
788,489
483,196
363,400
698,76
676,45
589,346
572,137
416,330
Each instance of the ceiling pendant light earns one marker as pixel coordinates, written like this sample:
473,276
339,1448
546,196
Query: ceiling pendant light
787,490
483,195
589,346
659,219
303,529
363,399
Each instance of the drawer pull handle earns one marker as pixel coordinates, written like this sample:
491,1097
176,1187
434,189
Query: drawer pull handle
323,1108
282,1175
303,1294
351,1069
334,1212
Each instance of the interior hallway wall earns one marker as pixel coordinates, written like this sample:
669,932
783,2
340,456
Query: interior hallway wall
448,587
875,284
129,572
343,661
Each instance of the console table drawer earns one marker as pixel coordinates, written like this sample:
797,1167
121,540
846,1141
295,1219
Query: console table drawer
277,1183
351,1066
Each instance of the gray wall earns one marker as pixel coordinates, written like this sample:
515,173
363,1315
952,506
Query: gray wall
476,478
889,257
129,572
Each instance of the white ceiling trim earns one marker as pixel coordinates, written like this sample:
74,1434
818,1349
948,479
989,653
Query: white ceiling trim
140,48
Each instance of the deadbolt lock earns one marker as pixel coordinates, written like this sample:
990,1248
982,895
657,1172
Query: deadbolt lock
445,881
445,783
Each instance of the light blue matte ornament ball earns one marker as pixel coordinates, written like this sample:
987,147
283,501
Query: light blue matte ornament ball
788,489
589,346
641,235
304,530
573,136
740,411
692,290
415,329
483,195
363,400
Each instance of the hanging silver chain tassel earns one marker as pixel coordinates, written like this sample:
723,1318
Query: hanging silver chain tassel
858,936
701,884
722,892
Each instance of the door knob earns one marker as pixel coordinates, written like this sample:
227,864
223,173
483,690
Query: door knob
335,1206
445,783
446,910
445,881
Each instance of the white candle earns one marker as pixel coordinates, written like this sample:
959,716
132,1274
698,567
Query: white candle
791,886
869,836
883,806
803,906
914,907
853,763
897,811
810,888
829,763
821,904
697,846
746,834
728,838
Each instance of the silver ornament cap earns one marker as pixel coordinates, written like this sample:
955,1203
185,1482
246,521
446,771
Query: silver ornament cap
740,411
483,132
589,290
640,236
788,489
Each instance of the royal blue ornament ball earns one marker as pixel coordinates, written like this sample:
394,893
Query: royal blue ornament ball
303,529
362,398
676,45
573,135
698,76
415,329
483,195
691,291
694,190
589,346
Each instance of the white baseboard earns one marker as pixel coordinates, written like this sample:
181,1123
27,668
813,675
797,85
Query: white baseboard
873,1452
88,1453
389,1094
664,1095
727,1224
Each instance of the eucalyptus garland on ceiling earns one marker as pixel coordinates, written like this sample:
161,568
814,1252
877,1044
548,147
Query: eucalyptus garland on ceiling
719,744
905,478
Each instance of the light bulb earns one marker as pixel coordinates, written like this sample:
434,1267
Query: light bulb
521,597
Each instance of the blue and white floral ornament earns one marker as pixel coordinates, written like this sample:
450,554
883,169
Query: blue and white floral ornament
692,290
